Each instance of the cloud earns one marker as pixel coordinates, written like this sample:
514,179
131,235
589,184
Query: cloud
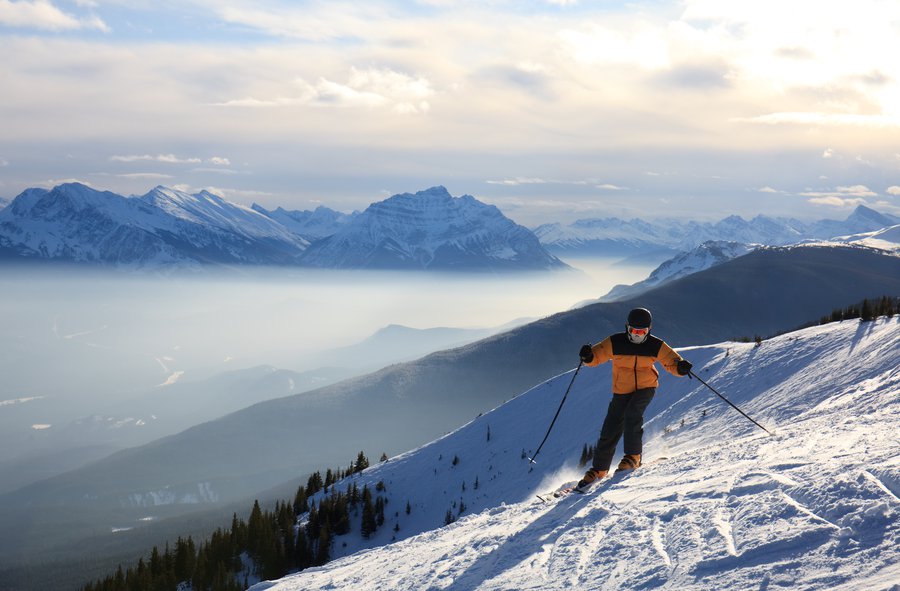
836,201
828,153
843,196
854,191
597,44
216,170
768,189
144,175
43,15
823,119
696,76
165,158
3,162
519,181
292,25
219,161
369,88
893,190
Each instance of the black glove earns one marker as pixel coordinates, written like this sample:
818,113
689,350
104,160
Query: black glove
586,354
684,367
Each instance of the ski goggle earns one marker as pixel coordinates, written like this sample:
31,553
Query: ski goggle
638,332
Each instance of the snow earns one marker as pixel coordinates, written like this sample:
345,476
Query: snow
708,254
686,235
433,230
887,239
814,506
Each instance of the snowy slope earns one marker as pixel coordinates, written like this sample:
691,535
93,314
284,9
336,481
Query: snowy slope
887,239
813,507
211,211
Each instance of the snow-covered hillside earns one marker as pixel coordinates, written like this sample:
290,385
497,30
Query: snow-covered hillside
814,506
887,239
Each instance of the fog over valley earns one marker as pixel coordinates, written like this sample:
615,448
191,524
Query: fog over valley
110,360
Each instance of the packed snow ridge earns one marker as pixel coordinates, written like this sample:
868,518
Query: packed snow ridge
719,504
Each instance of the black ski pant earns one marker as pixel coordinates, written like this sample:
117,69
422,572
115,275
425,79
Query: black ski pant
624,416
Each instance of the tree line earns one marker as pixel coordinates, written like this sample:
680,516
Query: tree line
866,310
268,545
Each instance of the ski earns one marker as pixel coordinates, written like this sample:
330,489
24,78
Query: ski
570,487
555,494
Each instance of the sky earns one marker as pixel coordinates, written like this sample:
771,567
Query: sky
553,110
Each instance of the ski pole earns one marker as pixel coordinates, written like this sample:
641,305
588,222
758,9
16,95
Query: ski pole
577,369
729,402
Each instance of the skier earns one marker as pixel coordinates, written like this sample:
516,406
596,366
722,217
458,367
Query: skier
635,379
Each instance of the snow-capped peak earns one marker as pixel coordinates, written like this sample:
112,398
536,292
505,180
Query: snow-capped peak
212,210
431,229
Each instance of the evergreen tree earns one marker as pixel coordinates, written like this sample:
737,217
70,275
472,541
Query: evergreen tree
362,462
369,524
323,549
379,511
866,314
300,501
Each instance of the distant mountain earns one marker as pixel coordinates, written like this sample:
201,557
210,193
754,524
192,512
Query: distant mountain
432,230
406,405
887,239
615,237
708,254
311,225
396,343
863,219
164,228
3,203
167,228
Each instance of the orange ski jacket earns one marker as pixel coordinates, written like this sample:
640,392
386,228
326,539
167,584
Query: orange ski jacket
632,364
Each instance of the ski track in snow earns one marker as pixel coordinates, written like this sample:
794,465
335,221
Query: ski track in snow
814,507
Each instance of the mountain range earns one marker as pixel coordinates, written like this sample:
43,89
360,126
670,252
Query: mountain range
430,230
663,238
167,228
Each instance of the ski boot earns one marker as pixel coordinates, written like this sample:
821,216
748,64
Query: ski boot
590,477
629,462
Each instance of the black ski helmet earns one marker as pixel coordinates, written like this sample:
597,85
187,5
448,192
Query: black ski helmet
640,318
